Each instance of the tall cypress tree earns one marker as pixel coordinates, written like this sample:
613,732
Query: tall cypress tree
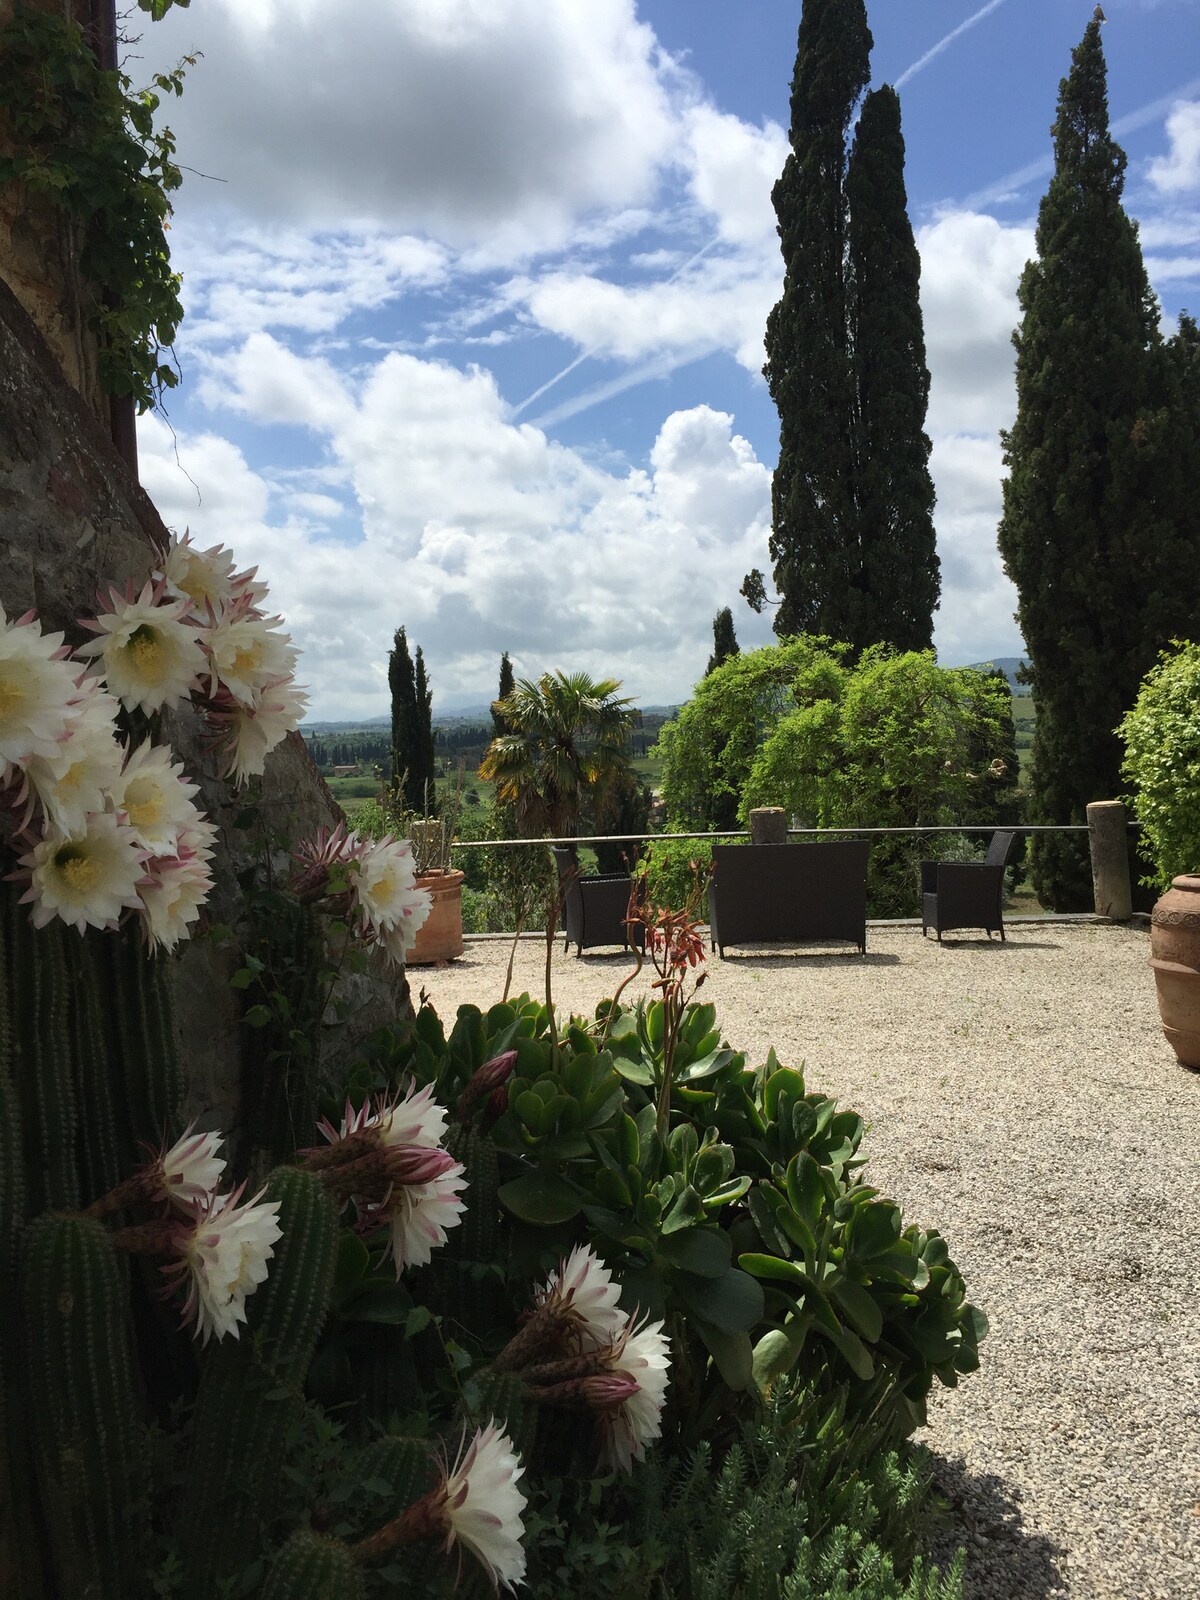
1091,534
896,586
422,772
807,339
403,687
724,640
852,536
500,724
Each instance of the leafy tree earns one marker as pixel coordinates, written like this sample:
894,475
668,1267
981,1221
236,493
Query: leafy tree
708,750
627,811
1094,534
568,744
724,640
852,534
1161,735
403,686
894,741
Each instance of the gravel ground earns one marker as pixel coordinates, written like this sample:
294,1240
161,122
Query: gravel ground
1021,1098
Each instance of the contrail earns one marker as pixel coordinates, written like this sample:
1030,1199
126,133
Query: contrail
942,44
586,355
1044,165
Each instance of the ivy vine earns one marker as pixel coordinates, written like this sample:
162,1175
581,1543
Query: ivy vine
86,138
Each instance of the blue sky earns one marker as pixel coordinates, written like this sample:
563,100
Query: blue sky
476,292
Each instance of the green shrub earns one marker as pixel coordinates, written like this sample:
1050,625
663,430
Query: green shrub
671,867
1162,763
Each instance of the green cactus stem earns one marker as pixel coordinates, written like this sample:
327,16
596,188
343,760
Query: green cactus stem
312,1567
146,1055
283,1058
249,1388
35,976
89,1447
106,1150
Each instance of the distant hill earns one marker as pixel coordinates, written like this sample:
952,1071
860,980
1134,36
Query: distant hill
1008,665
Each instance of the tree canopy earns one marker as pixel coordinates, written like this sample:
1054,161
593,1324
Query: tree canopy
568,745
1099,503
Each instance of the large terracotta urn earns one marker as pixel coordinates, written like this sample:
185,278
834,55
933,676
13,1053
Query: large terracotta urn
440,937
1175,959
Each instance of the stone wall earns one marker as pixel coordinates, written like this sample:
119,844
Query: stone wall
72,518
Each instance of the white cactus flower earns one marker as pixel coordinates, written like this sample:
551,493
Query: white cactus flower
247,655
482,1505
643,1355
155,797
224,1254
87,878
191,1168
37,691
171,897
149,655
583,1294
421,1216
251,733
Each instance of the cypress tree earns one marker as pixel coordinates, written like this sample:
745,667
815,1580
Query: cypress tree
807,339
403,686
852,536
724,640
1092,533
895,589
500,724
422,772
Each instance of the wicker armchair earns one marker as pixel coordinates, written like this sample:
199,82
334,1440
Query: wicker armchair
966,894
592,909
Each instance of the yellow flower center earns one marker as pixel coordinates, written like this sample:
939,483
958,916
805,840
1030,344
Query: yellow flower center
143,803
79,870
149,655
246,660
12,696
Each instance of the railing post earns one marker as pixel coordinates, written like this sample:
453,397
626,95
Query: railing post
1108,841
768,825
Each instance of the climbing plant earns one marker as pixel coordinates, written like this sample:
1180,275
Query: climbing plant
86,138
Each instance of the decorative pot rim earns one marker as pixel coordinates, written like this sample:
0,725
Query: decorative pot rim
1189,881
442,875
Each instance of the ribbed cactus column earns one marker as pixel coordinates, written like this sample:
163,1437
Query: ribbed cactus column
310,1567
89,1448
248,1388
37,1002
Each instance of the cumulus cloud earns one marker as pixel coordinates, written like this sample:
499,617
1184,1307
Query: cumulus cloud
480,535
975,620
1178,172
970,268
485,122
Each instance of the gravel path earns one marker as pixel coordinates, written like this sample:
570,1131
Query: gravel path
1021,1098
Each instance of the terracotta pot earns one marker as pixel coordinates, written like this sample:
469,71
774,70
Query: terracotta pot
1175,959
440,938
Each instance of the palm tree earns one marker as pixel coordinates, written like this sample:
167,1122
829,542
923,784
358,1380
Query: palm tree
567,743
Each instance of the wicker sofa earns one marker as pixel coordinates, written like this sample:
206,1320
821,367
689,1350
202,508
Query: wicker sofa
789,893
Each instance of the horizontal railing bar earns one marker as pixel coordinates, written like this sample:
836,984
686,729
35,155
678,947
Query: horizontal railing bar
744,833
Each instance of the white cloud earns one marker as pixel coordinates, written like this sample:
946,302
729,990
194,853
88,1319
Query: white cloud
970,267
1178,172
492,123
975,620
720,303
734,167
479,535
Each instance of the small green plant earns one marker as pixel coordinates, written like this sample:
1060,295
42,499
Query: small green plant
1162,763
